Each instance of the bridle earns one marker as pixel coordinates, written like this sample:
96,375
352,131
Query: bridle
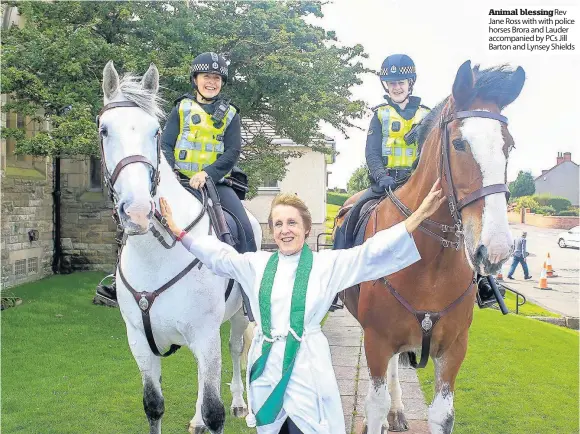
428,319
145,299
455,205
111,178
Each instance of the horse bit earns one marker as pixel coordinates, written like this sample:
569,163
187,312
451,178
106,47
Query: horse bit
427,319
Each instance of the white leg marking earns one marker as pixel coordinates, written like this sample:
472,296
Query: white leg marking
377,404
441,412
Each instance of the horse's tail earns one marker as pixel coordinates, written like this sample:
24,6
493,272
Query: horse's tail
248,336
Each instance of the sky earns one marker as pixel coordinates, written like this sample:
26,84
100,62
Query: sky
440,36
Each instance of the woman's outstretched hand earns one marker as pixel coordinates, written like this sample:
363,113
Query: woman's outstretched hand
430,204
166,212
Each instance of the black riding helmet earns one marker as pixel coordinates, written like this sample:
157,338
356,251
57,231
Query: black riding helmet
211,63
398,67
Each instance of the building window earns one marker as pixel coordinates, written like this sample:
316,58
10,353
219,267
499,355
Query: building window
32,265
269,183
95,173
20,267
20,121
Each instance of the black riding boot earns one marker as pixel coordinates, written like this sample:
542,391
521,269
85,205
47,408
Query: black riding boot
106,294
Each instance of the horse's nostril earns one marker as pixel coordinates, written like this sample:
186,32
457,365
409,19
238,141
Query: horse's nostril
121,208
480,252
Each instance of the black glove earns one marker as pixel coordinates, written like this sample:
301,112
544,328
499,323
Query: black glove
387,182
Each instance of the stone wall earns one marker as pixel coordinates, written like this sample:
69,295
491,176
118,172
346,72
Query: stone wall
87,228
554,222
26,204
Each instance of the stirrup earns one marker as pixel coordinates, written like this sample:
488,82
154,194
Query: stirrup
100,299
484,303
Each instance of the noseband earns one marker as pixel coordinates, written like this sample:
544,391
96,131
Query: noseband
110,179
455,205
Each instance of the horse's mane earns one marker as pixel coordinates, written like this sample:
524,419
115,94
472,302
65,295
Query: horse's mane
132,89
491,84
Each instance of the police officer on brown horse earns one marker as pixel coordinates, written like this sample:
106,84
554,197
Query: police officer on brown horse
392,148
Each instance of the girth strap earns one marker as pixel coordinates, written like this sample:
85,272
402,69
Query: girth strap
427,321
145,302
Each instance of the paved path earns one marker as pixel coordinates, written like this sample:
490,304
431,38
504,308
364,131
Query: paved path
564,296
345,338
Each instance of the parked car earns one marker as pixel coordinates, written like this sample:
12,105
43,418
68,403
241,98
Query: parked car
570,238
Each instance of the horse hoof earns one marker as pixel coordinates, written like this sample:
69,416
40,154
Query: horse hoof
239,411
384,430
397,421
200,429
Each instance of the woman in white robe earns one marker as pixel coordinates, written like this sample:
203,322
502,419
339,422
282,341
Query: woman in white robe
311,399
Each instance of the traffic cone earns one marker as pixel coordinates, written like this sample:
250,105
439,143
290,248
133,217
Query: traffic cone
549,269
543,283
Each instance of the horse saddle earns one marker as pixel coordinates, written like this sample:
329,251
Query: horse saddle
352,232
233,223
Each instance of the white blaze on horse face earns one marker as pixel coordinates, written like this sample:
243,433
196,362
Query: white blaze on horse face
130,131
486,141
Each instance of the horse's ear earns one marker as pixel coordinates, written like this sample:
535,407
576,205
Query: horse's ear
516,84
110,80
463,86
150,80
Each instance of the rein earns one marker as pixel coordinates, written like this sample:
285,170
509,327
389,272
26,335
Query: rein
428,319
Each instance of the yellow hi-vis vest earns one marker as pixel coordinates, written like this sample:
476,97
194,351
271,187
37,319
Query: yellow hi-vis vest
394,127
199,142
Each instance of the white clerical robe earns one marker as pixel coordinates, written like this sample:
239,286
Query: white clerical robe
312,398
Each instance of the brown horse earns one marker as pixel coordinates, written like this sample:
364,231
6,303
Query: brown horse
465,141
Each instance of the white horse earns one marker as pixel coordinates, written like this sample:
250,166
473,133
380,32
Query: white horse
190,312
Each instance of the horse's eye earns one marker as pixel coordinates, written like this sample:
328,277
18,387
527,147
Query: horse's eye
459,144
103,131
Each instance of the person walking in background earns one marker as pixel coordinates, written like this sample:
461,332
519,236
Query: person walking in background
520,254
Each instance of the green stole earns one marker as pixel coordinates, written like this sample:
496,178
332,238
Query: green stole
273,404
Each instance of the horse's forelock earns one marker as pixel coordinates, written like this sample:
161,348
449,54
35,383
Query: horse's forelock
132,89
494,84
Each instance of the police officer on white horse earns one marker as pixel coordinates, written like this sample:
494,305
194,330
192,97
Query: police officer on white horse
202,137
202,140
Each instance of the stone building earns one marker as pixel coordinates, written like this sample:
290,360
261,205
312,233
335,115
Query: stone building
35,191
56,217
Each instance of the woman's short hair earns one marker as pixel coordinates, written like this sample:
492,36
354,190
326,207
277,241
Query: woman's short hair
293,201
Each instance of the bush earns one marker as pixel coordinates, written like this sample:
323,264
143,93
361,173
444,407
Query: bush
569,212
545,210
526,202
336,198
557,202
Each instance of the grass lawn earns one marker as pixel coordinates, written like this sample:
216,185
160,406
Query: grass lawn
528,309
520,376
67,369
331,211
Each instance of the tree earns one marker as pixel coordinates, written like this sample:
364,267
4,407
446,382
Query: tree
283,71
523,185
359,180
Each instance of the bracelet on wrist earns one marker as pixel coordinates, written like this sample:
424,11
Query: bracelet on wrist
181,235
